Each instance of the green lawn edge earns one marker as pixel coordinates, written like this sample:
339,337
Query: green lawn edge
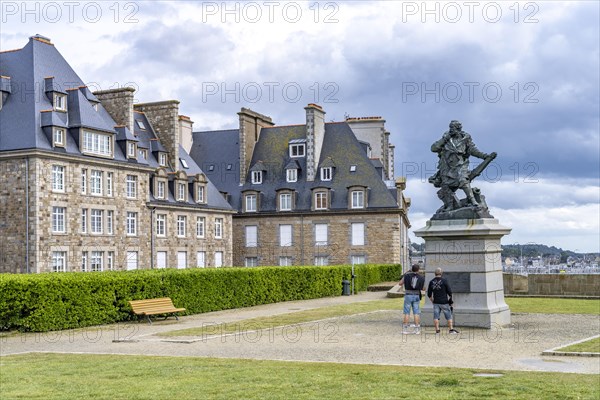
589,346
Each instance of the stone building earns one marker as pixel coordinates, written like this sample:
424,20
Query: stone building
92,182
311,193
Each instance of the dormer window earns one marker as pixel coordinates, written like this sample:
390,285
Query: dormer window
59,137
95,106
143,154
60,102
97,144
181,191
297,150
162,159
257,177
321,200
285,201
251,204
131,150
292,175
326,173
358,199
160,190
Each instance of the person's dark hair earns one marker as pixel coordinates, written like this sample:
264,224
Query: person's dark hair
415,268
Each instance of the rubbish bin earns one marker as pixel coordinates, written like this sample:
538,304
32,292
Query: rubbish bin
345,287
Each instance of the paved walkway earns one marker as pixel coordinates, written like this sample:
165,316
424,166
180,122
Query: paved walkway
371,338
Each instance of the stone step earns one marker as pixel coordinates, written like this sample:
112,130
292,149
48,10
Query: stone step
381,286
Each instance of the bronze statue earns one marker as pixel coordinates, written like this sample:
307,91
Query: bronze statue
454,149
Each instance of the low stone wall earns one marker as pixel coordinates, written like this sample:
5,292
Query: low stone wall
553,284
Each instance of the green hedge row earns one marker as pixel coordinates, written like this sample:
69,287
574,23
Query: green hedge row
44,302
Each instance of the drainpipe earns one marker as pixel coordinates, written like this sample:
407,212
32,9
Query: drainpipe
301,239
27,214
152,210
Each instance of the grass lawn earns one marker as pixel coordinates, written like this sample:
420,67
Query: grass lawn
552,305
590,346
78,376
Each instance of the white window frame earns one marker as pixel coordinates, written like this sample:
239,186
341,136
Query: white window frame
58,178
286,261
326,173
160,189
218,259
321,234
358,199
161,259
96,217
251,262
287,204
162,159
181,226
161,225
131,223
251,203
218,228
251,235
131,186
84,177
181,195
320,198
97,144
143,153
59,261
110,222
131,150
60,102
84,261
132,260
59,219
140,124
295,150
96,177
84,220
257,177
96,261
321,260
109,183
201,193
200,227
58,137
291,174
200,259
358,259
110,260
181,259
357,231
286,235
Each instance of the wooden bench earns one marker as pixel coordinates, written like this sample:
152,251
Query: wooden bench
150,307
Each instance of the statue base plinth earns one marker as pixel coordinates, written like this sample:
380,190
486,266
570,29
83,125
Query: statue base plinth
463,213
468,251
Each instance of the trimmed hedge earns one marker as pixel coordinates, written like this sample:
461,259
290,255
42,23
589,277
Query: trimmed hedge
44,302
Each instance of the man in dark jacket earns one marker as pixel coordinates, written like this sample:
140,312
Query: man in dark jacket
440,294
413,284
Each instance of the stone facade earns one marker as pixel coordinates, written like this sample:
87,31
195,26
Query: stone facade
164,117
119,104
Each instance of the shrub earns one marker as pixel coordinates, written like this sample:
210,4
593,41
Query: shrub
44,302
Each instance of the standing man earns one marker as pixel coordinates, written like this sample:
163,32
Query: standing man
413,284
440,294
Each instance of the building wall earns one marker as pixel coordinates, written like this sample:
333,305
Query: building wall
382,238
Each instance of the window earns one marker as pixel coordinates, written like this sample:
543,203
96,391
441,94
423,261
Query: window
251,261
320,200
60,102
180,191
285,235
110,217
201,259
161,224
161,259
59,137
218,259
285,202
96,261
109,183
97,143
200,226
297,150
84,215
132,260
200,191
292,175
160,190
83,181
131,223
250,203
143,154
96,182
218,228
326,173
181,225
59,261
162,159
251,236
181,260
58,178
285,261
130,149
110,260
353,168
358,234
321,260
356,260
184,163
131,186
58,219
257,177
96,221
321,234
84,261
358,199
140,124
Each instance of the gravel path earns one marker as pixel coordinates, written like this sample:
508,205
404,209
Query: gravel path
371,338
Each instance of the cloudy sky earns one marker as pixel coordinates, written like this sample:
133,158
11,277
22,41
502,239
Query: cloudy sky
523,78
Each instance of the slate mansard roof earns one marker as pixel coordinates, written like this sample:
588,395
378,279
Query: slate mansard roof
39,67
341,150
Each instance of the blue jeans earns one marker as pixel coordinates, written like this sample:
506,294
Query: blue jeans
412,301
437,308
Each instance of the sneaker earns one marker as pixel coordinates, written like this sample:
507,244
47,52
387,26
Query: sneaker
437,331
453,331
417,330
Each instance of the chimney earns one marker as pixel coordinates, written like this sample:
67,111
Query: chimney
164,117
315,132
400,187
391,153
119,104
251,124
185,132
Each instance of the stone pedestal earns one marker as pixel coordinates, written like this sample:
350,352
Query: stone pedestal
468,251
